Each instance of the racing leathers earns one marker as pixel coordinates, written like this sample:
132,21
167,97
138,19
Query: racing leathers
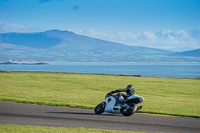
129,92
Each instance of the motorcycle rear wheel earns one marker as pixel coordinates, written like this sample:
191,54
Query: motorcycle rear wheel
100,108
129,111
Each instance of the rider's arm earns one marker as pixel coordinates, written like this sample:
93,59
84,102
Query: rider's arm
119,90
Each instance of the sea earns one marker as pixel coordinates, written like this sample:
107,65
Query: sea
155,69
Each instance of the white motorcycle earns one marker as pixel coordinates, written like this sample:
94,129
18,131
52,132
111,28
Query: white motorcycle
113,105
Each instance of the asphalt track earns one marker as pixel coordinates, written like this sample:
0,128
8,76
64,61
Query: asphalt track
39,115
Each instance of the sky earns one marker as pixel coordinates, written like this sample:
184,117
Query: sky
163,24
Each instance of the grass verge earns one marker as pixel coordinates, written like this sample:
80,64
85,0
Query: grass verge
40,129
172,96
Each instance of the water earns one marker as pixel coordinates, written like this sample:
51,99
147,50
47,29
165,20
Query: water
143,69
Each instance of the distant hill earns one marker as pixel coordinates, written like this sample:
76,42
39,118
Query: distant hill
33,40
194,53
55,45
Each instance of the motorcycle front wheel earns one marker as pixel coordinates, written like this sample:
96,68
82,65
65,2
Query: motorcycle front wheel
129,111
100,108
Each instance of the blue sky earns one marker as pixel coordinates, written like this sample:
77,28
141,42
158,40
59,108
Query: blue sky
164,24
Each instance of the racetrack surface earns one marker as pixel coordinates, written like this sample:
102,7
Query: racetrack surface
40,115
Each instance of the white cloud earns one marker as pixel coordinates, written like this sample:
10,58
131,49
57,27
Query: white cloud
182,33
7,27
94,34
149,35
128,35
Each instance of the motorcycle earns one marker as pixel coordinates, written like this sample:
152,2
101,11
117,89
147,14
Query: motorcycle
112,104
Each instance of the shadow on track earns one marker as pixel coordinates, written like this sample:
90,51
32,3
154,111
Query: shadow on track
77,113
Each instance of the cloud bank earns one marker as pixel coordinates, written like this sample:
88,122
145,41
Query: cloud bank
179,40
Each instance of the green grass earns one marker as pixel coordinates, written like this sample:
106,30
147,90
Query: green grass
173,96
39,129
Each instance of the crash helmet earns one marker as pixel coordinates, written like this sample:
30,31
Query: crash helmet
129,87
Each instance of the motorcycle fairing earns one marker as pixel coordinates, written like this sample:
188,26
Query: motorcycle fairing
110,105
135,99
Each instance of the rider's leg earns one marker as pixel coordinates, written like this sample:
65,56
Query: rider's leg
122,102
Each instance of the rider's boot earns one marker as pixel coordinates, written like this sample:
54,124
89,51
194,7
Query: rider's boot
123,105
138,108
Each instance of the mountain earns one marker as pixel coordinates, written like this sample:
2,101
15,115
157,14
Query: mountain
55,45
33,40
194,53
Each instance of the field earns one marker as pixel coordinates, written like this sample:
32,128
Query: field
172,96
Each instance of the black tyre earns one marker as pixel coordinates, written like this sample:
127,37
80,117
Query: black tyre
129,111
100,108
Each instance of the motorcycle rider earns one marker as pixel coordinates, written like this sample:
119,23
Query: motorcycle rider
129,92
